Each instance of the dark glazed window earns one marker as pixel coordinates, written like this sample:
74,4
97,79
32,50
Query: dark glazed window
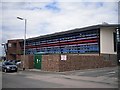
114,38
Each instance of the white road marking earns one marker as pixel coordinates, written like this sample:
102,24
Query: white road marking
12,73
112,72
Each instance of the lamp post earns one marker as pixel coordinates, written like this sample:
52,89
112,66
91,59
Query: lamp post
24,39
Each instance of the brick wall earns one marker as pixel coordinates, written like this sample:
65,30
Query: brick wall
50,62
77,62
74,62
28,62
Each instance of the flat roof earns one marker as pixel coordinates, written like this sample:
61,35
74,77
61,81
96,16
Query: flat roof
14,40
75,30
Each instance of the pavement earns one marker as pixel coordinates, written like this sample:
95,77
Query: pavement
107,75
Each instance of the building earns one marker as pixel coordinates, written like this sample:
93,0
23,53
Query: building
14,49
99,40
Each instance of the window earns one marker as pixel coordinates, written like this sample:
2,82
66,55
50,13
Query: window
114,38
14,45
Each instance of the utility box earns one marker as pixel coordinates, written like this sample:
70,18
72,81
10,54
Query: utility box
37,60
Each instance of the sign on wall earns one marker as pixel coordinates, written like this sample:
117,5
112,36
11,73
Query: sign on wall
63,57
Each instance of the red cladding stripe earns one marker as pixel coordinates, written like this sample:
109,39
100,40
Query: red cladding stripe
64,43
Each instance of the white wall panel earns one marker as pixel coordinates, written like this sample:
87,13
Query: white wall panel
106,40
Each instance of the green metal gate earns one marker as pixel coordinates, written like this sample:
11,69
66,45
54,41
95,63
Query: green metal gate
37,61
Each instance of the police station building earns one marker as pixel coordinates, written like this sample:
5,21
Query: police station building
81,48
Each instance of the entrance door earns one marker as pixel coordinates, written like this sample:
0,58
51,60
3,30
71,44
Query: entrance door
37,61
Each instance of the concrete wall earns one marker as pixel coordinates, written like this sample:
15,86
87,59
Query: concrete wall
106,40
73,62
112,57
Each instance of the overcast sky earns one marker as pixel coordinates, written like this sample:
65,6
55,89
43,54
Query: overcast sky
53,16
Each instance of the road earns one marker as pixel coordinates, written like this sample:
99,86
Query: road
96,78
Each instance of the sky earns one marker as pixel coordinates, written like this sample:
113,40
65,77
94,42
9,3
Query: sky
52,16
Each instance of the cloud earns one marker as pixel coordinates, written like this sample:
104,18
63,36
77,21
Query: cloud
60,0
53,7
53,16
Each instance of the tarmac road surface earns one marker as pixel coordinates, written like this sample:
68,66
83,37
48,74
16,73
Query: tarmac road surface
96,78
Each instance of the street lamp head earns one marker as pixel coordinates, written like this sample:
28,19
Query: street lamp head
20,18
3,44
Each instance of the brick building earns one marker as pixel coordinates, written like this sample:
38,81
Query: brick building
14,49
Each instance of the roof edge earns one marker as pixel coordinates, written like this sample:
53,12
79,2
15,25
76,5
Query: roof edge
75,30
